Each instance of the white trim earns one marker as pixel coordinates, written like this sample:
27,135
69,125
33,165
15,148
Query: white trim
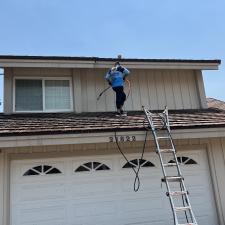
71,93
31,63
201,89
88,138
14,95
43,93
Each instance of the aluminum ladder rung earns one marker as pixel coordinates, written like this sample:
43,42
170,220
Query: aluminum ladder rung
183,208
178,193
169,164
167,150
161,137
155,116
172,179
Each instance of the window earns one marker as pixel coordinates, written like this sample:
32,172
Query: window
92,166
57,94
43,95
28,95
183,160
42,170
136,162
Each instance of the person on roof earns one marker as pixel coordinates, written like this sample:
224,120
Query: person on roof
116,77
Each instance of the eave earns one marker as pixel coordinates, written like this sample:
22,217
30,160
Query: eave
95,62
97,138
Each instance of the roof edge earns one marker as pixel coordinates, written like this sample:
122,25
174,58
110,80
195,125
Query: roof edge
93,58
87,138
98,62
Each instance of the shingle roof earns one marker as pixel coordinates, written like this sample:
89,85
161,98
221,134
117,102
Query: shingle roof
65,123
215,103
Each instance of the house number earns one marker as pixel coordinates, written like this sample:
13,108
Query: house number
122,138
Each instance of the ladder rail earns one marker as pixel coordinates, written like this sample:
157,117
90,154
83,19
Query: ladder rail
161,160
166,116
184,193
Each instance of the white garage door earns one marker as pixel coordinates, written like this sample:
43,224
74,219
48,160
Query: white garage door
98,190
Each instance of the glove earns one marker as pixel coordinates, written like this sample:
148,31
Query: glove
120,69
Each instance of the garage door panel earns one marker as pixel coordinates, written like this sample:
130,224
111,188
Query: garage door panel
98,187
206,219
141,205
105,196
41,215
141,219
147,183
96,208
43,191
90,214
50,222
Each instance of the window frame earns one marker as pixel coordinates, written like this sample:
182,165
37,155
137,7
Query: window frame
92,169
45,173
43,79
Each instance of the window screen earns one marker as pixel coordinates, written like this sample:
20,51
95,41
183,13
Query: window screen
57,94
28,95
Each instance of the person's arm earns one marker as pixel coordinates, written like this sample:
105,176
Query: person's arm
125,72
108,77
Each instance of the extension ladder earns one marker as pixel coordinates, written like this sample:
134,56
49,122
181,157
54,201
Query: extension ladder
176,189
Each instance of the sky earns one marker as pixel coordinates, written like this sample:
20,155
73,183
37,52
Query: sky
175,29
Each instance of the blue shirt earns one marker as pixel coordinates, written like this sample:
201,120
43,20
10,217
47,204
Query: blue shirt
116,77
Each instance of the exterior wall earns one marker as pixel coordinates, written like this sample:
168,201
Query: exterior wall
214,147
178,89
10,73
1,187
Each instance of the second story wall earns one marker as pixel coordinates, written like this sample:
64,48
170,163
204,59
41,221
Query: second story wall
178,89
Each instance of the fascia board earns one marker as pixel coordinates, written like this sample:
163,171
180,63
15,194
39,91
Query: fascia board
30,63
88,138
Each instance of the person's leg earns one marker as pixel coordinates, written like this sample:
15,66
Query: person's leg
120,98
117,90
123,97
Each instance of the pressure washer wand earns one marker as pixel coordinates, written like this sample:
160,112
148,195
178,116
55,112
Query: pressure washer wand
103,92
